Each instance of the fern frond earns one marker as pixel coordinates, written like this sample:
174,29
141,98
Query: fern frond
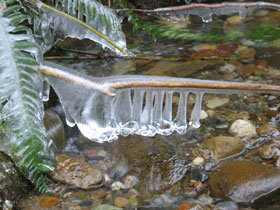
22,108
79,19
155,29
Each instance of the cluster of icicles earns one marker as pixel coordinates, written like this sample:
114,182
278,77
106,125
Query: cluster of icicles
104,108
206,11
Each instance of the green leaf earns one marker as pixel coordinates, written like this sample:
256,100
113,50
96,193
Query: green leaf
22,109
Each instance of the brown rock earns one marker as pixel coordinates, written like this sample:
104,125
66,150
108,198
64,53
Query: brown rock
244,181
121,202
77,173
224,146
267,130
47,202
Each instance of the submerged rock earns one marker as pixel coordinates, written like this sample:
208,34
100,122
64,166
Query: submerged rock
244,181
77,173
107,207
223,146
242,128
55,129
12,183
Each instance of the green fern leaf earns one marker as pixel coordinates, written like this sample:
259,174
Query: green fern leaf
22,109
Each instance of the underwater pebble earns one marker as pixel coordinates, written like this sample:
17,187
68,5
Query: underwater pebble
48,202
77,173
229,68
121,202
248,42
217,102
198,161
245,52
223,146
184,206
107,207
261,13
266,151
203,115
117,186
130,181
234,20
242,128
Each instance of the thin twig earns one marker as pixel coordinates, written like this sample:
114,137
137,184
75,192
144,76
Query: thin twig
105,55
106,85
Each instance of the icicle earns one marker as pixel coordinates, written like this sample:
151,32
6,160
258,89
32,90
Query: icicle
146,127
180,121
195,115
123,112
167,114
158,111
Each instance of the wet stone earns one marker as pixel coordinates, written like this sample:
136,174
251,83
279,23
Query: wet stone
48,201
121,202
107,207
223,146
77,173
217,102
12,183
242,128
244,181
55,129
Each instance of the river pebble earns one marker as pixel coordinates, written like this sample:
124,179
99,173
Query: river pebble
130,181
217,102
77,173
121,202
242,128
223,146
107,207
244,181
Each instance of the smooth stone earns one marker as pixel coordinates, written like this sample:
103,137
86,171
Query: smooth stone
234,20
228,68
268,130
217,102
77,173
107,207
203,115
267,151
242,128
12,184
55,129
121,202
224,146
198,161
246,52
48,202
244,181
130,181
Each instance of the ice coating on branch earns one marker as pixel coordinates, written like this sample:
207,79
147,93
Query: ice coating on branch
104,108
52,26
206,11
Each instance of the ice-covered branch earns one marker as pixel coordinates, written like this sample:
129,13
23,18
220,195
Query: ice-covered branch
206,11
106,107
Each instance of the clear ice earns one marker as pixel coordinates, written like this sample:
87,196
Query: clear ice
145,111
51,26
206,12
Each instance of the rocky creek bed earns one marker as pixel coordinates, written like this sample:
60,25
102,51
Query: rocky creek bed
231,162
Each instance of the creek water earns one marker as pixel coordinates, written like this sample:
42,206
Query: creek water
172,172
